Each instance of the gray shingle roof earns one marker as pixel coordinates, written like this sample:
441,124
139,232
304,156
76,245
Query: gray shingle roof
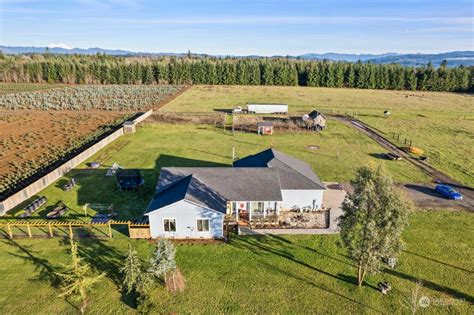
315,114
212,187
294,173
265,124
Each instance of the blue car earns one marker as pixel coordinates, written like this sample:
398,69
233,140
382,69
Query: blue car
448,192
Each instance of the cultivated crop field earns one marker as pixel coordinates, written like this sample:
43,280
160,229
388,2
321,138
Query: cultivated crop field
32,139
277,274
442,124
37,127
6,88
110,97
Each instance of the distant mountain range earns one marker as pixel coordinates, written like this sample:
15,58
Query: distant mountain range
454,58
81,51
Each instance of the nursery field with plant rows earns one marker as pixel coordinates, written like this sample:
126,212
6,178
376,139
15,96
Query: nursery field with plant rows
111,97
41,123
6,88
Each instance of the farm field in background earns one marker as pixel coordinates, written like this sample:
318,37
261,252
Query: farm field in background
30,139
341,151
37,125
306,273
442,124
7,88
87,97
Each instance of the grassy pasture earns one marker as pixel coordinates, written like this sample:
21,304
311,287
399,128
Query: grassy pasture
341,151
442,124
287,274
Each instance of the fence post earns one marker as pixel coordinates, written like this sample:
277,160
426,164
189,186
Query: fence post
128,228
10,233
85,209
50,230
70,231
110,229
28,228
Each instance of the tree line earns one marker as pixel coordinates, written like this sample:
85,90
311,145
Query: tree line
102,69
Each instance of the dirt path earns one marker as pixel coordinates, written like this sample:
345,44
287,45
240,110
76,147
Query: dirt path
423,195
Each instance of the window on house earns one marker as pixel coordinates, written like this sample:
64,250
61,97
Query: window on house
257,207
203,225
169,225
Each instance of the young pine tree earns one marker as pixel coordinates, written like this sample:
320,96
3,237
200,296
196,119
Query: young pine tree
77,281
137,279
164,260
374,217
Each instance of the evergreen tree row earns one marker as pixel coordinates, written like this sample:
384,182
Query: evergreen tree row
101,69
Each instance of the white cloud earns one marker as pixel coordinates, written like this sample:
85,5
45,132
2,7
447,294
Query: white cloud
59,45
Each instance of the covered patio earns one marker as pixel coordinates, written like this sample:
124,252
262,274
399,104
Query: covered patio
252,210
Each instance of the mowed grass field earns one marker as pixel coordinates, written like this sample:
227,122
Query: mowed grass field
266,275
442,124
341,151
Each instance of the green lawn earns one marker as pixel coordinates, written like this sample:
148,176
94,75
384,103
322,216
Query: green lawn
341,151
442,124
287,274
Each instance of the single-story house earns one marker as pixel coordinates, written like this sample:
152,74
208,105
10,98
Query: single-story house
191,202
300,186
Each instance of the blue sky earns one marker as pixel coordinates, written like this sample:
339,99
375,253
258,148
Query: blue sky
241,27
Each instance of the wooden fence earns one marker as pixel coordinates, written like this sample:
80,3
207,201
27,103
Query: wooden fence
135,230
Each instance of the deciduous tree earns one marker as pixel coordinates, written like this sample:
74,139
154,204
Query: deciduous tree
373,219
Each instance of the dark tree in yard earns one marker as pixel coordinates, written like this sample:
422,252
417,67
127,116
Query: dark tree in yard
375,215
77,281
137,279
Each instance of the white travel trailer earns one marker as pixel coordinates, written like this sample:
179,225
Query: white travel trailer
267,108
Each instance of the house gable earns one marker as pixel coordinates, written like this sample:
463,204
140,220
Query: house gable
185,215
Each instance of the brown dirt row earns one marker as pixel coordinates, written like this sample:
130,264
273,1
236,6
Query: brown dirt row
29,134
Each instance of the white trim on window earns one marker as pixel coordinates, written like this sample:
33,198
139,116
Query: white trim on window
175,225
208,225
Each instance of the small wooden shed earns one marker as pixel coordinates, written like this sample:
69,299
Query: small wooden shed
315,120
265,128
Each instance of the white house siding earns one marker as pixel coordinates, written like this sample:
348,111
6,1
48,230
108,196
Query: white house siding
302,198
186,215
